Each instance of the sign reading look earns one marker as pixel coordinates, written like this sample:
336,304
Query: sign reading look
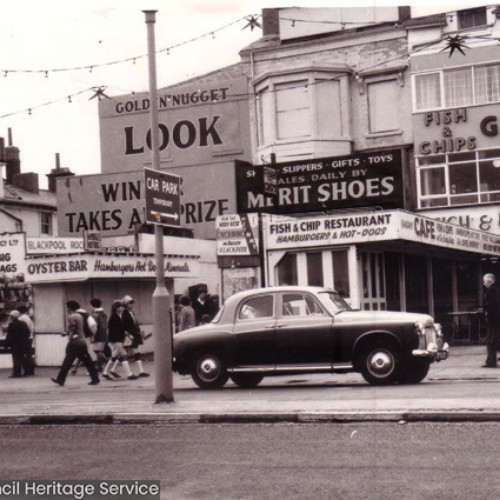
163,197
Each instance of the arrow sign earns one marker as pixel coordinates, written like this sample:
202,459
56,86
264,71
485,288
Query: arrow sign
163,197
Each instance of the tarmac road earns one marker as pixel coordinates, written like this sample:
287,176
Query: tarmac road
458,388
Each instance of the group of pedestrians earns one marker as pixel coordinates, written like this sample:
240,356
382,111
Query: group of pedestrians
90,334
198,312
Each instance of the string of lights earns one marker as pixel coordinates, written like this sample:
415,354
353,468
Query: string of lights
99,92
90,67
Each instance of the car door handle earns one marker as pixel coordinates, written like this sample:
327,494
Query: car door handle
268,327
281,326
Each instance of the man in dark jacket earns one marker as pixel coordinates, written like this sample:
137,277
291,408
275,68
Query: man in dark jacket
492,310
17,340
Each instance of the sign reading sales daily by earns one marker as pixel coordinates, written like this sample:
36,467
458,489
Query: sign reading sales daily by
363,179
376,226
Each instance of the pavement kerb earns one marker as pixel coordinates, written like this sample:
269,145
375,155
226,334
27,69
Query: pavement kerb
255,417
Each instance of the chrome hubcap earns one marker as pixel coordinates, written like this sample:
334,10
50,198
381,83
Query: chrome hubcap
381,363
209,369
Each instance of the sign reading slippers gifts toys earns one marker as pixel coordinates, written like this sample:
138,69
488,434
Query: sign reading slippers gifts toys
359,180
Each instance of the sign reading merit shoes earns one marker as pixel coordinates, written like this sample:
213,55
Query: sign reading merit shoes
163,197
359,180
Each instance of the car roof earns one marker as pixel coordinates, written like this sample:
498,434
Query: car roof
272,289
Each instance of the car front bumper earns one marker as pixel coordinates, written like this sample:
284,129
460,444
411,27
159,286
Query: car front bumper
433,352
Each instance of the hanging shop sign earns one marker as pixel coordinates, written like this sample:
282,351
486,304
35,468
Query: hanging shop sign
87,266
49,246
198,124
376,226
363,179
113,205
237,235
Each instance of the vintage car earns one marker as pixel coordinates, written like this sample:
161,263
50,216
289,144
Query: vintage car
292,329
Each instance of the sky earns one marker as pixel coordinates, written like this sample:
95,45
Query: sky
46,100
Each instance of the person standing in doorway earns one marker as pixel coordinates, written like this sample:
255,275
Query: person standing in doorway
492,310
133,332
201,305
76,347
116,336
17,341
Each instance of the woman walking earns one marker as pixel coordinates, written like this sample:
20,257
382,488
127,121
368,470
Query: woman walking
116,336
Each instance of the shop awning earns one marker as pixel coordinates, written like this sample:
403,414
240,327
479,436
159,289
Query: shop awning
375,226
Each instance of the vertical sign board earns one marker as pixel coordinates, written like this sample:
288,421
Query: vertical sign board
163,198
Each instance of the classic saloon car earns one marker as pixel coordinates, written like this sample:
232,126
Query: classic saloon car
291,329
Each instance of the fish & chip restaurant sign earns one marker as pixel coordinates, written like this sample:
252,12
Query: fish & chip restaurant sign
91,266
376,226
360,180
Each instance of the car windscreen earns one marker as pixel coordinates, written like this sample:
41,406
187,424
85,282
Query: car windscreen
333,302
217,317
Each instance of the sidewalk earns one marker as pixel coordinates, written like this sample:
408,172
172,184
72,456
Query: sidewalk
302,398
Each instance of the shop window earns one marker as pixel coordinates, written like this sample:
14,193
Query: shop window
314,268
416,284
383,106
287,270
461,178
341,273
293,113
472,18
467,285
46,223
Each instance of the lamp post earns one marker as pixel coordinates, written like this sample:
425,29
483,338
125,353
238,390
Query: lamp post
161,300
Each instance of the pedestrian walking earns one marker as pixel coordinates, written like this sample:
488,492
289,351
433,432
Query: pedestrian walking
17,341
116,336
24,316
76,347
492,310
101,334
133,334
187,317
89,330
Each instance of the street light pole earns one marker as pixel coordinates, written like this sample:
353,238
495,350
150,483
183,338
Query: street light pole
162,325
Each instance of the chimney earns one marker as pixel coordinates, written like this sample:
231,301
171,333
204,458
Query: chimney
57,173
404,13
28,182
12,160
270,22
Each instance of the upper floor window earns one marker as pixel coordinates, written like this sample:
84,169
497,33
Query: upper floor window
383,106
46,223
471,18
457,87
301,105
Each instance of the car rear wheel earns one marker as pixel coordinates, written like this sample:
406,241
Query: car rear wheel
414,371
380,364
209,371
246,380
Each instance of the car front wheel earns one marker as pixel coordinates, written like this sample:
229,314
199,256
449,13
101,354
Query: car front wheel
380,364
209,371
247,380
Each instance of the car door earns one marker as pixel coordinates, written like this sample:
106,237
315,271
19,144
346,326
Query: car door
304,331
254,331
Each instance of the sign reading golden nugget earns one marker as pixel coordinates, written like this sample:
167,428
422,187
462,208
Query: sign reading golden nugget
363,179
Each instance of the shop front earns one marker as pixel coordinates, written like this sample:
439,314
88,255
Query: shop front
378,260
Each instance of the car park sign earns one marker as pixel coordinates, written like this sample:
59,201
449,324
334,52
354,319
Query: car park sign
163,197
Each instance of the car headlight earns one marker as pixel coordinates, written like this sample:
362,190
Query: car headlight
420,328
